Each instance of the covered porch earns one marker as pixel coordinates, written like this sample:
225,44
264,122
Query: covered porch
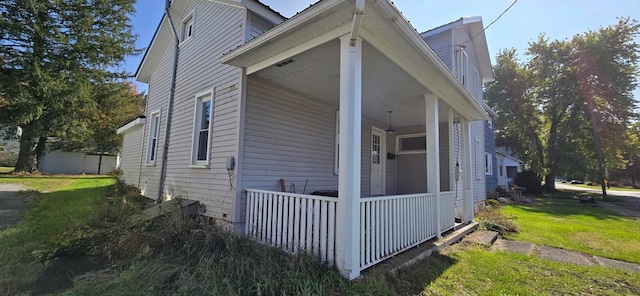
364,60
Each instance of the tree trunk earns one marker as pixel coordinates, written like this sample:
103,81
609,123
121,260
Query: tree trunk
28,155
550,182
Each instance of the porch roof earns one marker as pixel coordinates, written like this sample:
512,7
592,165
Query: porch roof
383,28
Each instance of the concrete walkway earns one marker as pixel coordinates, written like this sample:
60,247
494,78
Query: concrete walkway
489,238
13,204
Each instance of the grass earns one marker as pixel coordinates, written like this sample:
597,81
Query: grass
67,203
559,220
5,170
178,256
478,271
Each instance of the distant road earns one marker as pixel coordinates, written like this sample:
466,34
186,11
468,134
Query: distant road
594,189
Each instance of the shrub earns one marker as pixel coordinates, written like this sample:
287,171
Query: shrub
492,203
530,180
491,218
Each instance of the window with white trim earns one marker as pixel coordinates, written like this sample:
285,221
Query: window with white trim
154,130
479,160
488,164
336,157
490,123
411,143
463,67
187,28
202,129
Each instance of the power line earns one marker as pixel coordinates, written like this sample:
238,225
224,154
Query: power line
489,25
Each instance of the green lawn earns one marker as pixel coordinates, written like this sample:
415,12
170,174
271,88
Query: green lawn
5,170
65,204
561,221
477,271
194,260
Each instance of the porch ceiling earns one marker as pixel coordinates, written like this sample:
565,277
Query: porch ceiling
385,86
398,66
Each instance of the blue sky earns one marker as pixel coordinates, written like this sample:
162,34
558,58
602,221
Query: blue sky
558,19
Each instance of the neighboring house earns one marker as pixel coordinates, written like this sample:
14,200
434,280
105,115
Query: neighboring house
462,46
308,102
76,162
509,165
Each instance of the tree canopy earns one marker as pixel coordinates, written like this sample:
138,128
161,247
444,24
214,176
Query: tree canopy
58,61
547,104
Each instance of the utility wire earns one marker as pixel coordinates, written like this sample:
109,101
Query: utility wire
489,25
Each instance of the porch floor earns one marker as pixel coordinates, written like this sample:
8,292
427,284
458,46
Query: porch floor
414,255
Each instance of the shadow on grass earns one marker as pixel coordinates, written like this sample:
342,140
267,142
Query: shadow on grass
50,215
413,280
567,203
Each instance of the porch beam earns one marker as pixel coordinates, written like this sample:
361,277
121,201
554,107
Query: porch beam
433,153
348,206
468,175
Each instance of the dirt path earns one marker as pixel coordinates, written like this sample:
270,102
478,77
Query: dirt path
14,202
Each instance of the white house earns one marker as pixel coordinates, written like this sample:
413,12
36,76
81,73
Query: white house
241,98
509,165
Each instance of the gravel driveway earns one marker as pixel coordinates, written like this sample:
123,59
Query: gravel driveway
14,201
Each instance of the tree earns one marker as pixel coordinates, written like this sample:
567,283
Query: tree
548,105
55,57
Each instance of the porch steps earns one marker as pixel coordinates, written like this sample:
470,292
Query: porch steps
414,255
481,237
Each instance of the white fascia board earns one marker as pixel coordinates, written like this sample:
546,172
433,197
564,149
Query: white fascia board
147,52
269,14
489,110
336,33
233,56
136,122
422,46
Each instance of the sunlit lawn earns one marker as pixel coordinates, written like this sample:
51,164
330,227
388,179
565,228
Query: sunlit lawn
561,221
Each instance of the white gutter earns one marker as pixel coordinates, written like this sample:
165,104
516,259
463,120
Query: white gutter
357,20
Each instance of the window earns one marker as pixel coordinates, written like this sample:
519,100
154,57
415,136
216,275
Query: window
488,164
187,28
490,123
463,65
336,157
152,145
411,143
201,129
500,169
479,164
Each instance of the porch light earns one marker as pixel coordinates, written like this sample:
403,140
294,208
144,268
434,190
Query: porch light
390,130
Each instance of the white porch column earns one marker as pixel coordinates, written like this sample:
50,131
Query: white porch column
433,153
348,207
452,156
468,174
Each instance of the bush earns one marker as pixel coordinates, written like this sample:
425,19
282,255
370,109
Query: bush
492,203
530,180
491,218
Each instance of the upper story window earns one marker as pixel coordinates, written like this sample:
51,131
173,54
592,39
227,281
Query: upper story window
488,163
187,28
462,63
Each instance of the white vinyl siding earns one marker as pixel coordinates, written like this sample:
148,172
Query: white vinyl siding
130,156
257,26
199,68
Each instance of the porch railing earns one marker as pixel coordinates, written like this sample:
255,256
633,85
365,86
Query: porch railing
388,224
293,221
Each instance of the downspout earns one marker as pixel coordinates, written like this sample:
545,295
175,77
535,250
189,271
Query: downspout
172,91
357,20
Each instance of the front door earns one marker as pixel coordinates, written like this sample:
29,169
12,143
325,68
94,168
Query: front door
377,162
